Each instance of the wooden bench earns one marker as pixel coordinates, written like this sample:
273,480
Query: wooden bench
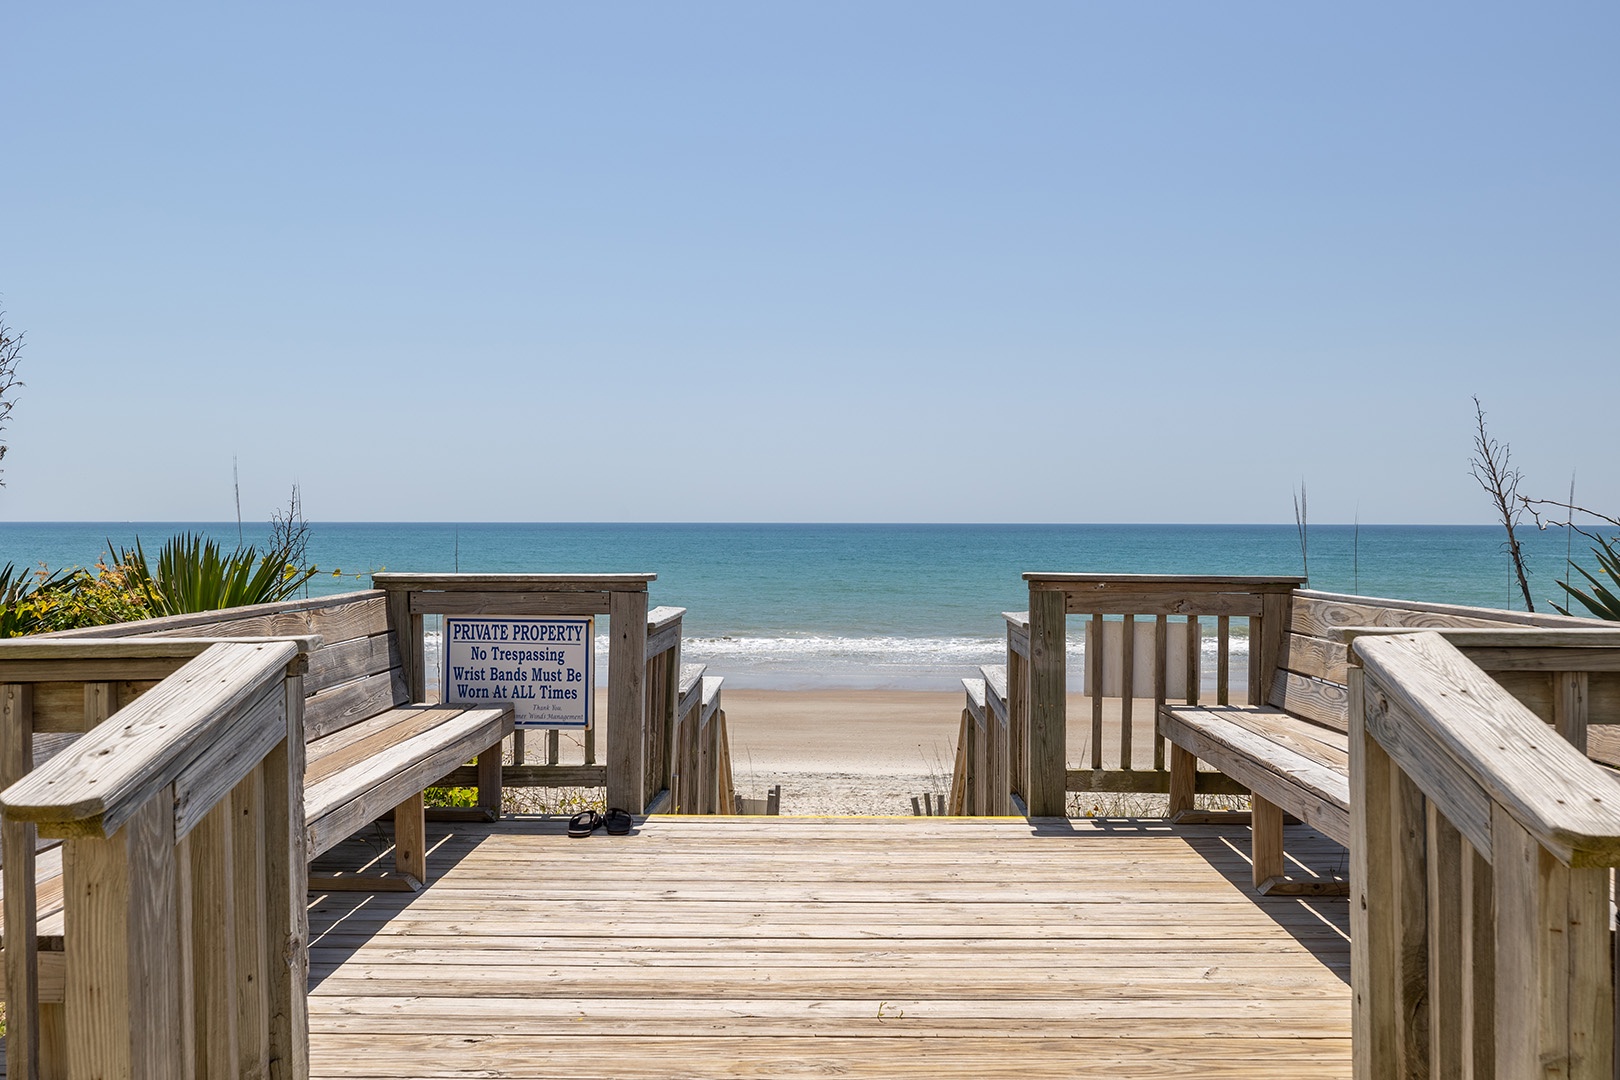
369,748
1292,752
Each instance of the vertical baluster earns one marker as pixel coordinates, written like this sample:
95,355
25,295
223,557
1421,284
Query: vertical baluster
1257,692
1448,965
1195,659
1161,684
1479,980
1127,687
252,942
1094,682
286,890
1570,690
1223,659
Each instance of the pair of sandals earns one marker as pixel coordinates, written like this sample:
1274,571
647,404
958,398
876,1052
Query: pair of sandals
616,821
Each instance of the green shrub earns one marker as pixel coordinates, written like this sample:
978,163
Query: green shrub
68,600
194,573
1601,601
450,796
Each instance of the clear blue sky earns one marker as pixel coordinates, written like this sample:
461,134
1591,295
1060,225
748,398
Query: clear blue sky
831,261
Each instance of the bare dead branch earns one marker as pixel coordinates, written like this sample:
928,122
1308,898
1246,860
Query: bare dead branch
11,345
1492,467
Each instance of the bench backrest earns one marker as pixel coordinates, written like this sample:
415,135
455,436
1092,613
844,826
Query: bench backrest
355,674
1310,678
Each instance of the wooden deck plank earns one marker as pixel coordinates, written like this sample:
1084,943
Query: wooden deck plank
854,947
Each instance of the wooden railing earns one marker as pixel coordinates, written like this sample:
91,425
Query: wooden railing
181,949
1128,659
643,731
700,780
982,783
1480,861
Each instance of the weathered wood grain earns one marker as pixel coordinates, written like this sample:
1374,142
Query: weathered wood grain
1242,604
1319,614
1323,702
357,658
1566,802
1315,657
493,602
1048,690
1192,584
334,709
334,807
228,759
1315,793
331,618
1157,966
517,583
113,770
627,650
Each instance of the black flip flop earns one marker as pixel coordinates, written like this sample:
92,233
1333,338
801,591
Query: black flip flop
584,823
618,822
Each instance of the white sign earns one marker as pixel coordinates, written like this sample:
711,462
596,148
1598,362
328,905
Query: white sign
540,666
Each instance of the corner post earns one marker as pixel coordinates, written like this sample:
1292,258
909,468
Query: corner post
125,984
627,655
1048,750
287,895
21,903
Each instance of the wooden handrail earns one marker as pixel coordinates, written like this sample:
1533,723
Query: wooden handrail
1481,848
1424,694
1494,616
1067,582
663,630
98,784
183,948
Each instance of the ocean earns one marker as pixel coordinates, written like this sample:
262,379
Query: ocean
782,606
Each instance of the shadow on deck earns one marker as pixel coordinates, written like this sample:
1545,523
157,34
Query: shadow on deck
861,947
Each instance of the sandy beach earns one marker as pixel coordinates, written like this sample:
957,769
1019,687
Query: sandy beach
843,751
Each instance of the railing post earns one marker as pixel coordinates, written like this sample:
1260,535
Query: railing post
22,977
125,981
1048,751
286,895
1373,949
1389,931
1551,926
627,654
1017,724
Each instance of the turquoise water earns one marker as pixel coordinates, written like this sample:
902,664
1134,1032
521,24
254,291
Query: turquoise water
791,606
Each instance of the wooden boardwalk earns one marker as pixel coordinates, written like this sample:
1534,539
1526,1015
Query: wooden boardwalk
911,947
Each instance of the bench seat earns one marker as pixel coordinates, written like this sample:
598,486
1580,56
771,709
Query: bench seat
360,773
1293,763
